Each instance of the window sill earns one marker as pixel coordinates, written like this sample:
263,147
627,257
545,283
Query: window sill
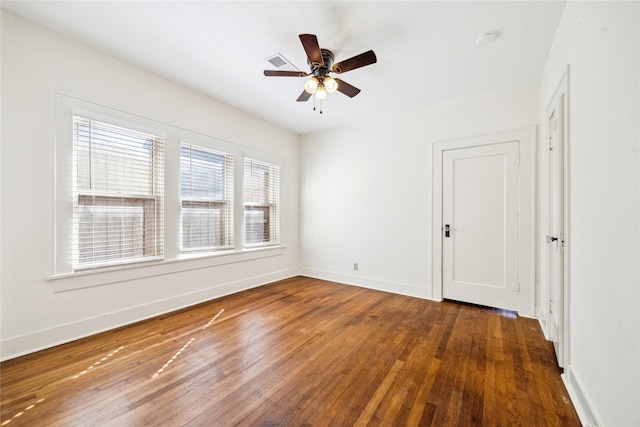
89,278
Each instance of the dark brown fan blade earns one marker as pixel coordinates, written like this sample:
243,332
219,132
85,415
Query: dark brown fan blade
312,48
277,73
366,58
347,89
304,96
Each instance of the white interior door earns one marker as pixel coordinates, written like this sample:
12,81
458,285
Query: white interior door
480,224
555,237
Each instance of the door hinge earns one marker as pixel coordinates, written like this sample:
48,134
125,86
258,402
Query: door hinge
550,306
550,143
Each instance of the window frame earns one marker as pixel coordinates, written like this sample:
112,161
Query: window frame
225,203
152,244
270,207
61,274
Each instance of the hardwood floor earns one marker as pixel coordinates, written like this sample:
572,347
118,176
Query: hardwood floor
299,352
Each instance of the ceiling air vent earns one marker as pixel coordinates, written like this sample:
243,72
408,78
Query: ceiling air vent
280,62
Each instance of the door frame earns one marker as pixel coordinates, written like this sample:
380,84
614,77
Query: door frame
526,226
558,99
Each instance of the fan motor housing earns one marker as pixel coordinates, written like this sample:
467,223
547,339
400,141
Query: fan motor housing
328,58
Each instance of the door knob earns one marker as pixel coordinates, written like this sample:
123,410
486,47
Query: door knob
447,230
551,239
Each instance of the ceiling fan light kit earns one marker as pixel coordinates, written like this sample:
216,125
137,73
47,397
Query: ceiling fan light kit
315,84
321,63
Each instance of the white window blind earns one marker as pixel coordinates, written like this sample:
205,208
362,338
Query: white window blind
118,188
206,190
261,203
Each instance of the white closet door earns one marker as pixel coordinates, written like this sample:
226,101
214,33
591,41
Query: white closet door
480,211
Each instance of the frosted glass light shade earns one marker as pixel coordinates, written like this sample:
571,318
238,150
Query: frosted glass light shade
311,85
330,84
321,92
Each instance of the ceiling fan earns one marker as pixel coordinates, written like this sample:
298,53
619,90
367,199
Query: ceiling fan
321,63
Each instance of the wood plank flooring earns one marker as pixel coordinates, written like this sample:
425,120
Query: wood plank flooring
299,352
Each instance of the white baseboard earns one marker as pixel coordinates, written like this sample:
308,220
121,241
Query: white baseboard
40,340
365,282
543,326
580,401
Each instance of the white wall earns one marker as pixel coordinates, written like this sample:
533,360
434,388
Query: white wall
36,63
366,189
353,181
601,43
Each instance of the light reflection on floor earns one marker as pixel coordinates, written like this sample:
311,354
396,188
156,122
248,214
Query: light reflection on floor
507,313
96,364
256,342
19,414
104,359
107,358
213,319
179,352
175,356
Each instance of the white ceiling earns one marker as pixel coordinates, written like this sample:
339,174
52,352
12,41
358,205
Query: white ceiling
426,49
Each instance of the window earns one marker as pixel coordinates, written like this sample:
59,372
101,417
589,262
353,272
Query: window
117,194
206,190
261,203
136,197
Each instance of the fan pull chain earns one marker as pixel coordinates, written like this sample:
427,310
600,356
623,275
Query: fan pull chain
314,103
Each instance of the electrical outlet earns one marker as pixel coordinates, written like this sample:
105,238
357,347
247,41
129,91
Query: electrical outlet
355,266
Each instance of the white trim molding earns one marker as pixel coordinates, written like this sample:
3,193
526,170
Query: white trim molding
559,100
527,137
89,278
369,283
580,401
